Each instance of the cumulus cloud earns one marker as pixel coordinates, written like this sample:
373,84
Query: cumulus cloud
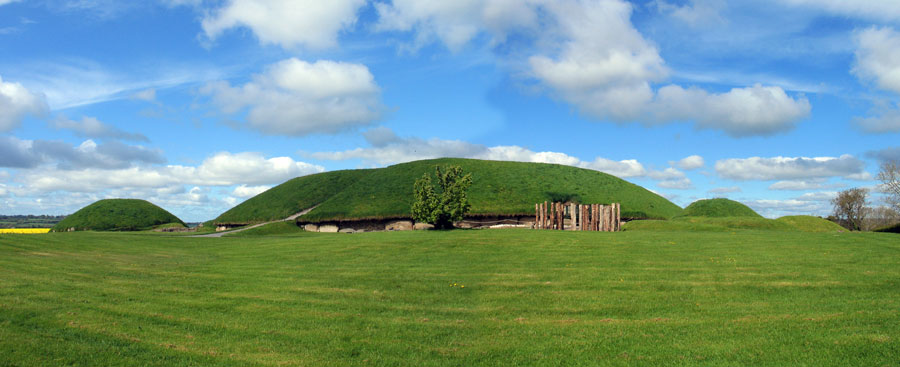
677,184
90,127
724,190
589,54
221,169
287,23
690,162
749,111
814,203
886,155
18,153
294,97
244,191
455,23
878,58
16,102
148,95
803,185
790,168
696,13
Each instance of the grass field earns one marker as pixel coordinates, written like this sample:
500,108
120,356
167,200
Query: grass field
118,215
460,298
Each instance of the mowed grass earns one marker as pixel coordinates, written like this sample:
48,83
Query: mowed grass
544,298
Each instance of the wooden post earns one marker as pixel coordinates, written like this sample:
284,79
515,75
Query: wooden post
537,213
618,217
608,218
562,216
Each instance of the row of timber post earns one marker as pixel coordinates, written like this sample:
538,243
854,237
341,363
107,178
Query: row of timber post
582,217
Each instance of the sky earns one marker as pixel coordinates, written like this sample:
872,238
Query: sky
198,105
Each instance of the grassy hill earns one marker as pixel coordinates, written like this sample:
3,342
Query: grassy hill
718,208
808,223
498,188
292,196
117,215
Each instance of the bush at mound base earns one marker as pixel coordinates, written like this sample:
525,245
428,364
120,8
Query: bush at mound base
117,215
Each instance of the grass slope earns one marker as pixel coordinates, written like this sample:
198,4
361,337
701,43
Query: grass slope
118,215
272,229
537,298
709,224
497,188
718,208
291,197
808,223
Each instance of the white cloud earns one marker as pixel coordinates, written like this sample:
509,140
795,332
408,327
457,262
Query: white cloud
16,102
802,185
678,184
789,168
870,9
4,2
244,191
294,97
388,148
455,23
690,163
878,57
18,153
90,127
288,23
606,68
148,95
724,190
696,14
749,111
221,169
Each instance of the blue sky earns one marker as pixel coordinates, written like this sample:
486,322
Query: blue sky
198,105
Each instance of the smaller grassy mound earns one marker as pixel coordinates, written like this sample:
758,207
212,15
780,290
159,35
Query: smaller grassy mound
708,224
718,208
271,229
118,215
808,223
890,229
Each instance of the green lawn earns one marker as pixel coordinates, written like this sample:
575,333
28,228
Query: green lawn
551,298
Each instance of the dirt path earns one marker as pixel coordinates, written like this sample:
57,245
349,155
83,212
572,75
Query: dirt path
292,217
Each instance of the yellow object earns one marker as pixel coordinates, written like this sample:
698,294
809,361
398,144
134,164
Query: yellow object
24,230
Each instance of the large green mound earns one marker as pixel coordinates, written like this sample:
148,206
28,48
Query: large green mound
718,208
808,223
498,188
117,215
292,197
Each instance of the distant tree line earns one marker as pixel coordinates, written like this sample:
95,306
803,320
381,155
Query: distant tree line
29,221
852,210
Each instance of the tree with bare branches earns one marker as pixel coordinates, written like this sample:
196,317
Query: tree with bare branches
890,183
850,208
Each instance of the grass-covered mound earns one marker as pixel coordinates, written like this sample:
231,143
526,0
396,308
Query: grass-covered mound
118,215
718,208
498,188
709,224
291,197
808,223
